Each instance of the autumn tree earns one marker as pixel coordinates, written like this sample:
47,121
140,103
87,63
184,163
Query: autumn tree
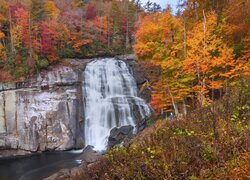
160,39
51,9
49,37
22,21
209,60
237,24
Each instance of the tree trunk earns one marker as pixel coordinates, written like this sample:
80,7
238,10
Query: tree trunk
203,80
30,39
185,40
204,28
12,47
108,33
184,108
127,29
203,96
174,103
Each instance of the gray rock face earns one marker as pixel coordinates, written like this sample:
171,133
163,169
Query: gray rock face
45,112
120,135
89,155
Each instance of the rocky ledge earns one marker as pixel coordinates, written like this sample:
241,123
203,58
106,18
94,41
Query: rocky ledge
43,112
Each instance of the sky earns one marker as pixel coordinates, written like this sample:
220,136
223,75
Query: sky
163,3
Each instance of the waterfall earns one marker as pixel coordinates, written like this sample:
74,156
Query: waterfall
110,100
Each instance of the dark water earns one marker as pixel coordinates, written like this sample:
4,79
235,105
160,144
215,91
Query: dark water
37,166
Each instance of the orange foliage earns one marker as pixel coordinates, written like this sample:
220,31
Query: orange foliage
160,98
80,43
155,36
209,59
245,59
237,15
1,35
196,65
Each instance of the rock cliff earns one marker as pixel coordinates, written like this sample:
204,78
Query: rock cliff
44,112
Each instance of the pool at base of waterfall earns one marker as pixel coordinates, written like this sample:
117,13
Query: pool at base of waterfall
37,166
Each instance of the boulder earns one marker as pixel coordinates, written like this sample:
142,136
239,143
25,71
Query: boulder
120,135
62,174
89,155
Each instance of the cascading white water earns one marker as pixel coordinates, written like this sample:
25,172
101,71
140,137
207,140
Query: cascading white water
110,100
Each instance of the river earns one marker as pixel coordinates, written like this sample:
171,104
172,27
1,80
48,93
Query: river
38,165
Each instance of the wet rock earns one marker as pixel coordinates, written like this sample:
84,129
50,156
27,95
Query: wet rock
62,174
13,153
141,121
120,135
89,155
67,173
127,57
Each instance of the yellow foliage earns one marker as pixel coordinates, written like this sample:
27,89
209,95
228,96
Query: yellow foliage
52,10
66,33
16,35
2,52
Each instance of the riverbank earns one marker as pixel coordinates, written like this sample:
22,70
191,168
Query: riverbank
13,153
36,166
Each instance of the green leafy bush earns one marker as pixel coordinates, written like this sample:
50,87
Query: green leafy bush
42,63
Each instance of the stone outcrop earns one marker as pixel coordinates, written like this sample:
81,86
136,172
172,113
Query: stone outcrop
43,113
120,135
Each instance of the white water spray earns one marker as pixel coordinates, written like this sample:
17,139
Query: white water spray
110,99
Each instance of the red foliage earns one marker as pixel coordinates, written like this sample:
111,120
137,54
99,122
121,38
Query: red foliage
5,76
123,24
48,40
91,12
21,17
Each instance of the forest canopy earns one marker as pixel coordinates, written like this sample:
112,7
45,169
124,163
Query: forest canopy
201,50
35,33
